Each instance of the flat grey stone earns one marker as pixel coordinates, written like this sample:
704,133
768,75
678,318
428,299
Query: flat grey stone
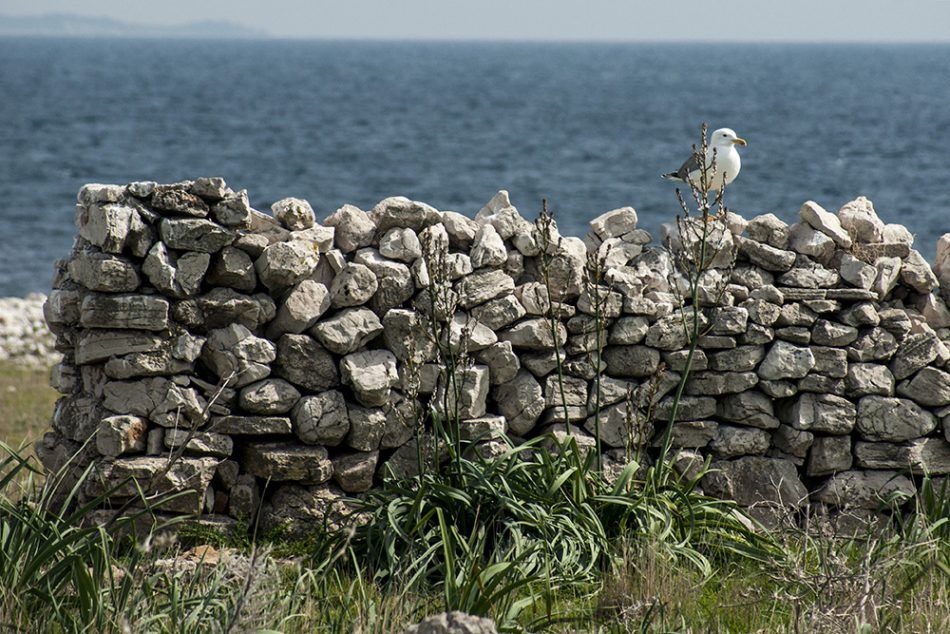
268,397
124,312
251,425
194,234
864,489
287,461
883,418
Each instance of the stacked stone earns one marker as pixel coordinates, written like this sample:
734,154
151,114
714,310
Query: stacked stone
826,367
284,363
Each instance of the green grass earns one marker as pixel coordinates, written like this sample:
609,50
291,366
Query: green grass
26,403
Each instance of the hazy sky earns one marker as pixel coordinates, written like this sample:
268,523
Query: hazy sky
723,20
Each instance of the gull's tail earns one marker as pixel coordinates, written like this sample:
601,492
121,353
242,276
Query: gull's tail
672,176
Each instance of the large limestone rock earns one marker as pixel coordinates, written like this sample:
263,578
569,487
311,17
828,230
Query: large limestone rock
829,454
929,387
855,272
502,362
488,249
104,272
233,268
731,441
178,201
786,361
178,276
371,374
753,480
861,222
748,408
464,395
354,285
294,214
199,442
125,478
824,413
395,285
354,228
521,401
268,397
806,240
283,264
768,257
942,265
367,426
223,306
95,346
301,308
237,357
917,274
109,226
133,312
825,222
481,287
354,472
453,623
631,361
863,379
535,334
233,210
348,330
322,419
285,461
408,335
121,434
865,489
614,224
194,234
398,211
251,425
400,244
305,363
893,419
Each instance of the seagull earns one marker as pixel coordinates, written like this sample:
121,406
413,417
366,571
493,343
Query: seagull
723,143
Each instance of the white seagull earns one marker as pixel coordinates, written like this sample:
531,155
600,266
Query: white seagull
723,144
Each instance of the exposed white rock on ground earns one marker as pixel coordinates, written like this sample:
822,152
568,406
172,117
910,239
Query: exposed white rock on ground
24,336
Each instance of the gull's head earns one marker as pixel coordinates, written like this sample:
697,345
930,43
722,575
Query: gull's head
725,137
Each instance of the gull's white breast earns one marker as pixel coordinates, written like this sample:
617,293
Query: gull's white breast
727,163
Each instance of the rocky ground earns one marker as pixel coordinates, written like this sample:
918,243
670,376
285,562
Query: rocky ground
24,336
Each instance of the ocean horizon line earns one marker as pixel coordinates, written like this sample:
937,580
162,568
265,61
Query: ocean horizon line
447,40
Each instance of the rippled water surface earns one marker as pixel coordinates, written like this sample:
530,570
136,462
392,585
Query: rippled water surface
589,126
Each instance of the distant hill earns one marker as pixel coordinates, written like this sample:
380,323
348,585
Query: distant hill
70,25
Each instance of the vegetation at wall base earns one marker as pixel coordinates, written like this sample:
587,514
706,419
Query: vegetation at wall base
543,544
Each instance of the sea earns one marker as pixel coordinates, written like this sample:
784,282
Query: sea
588,127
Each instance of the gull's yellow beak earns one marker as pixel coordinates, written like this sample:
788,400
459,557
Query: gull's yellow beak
739,141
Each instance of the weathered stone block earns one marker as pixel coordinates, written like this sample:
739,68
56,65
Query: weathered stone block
124,312
270,396
893,419
285,461
754,480
322,419
305,363
865,489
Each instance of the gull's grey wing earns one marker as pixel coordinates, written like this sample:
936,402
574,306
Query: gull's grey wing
690,165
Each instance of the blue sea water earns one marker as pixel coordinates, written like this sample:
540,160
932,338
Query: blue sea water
588,126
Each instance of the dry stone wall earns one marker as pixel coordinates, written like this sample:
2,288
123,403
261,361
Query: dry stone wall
284,362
